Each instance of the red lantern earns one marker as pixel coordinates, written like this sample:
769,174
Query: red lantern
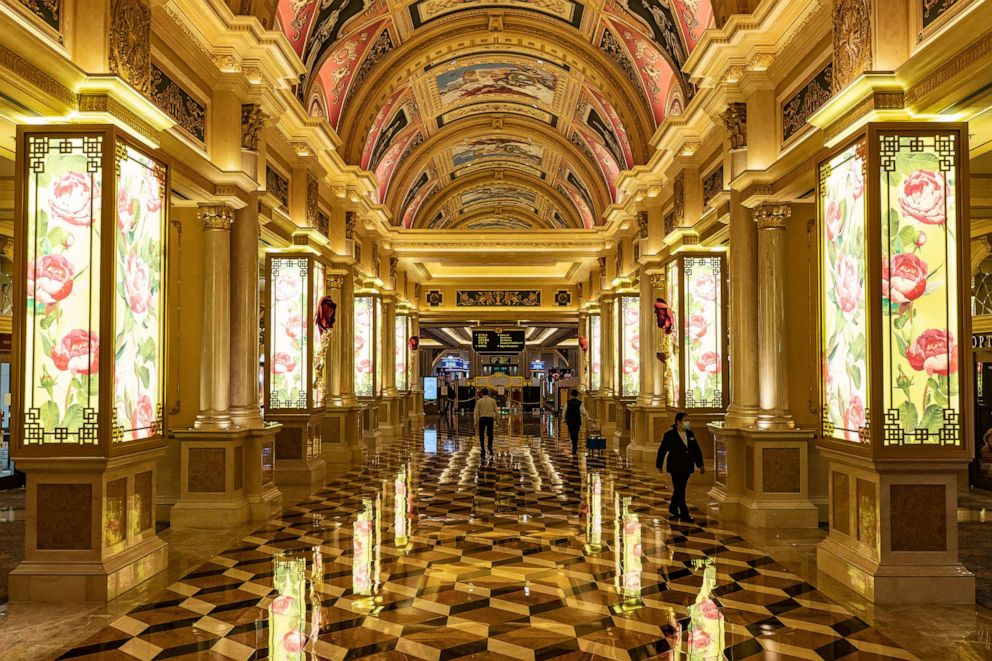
664,316
326,312
583,343
413,343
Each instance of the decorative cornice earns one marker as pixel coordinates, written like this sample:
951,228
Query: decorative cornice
13,62
772,216
953,67
215,216
877,100
108,104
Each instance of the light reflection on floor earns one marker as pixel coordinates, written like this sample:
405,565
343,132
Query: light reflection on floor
429,552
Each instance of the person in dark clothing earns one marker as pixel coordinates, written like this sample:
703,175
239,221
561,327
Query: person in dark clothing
452,400
574,413
684,455
485,418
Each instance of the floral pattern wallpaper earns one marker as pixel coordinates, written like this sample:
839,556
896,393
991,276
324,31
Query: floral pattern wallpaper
62,340
673,367
138,316
702,331
288,332
364,346
919,285
630,346
844,378
401,349
595,353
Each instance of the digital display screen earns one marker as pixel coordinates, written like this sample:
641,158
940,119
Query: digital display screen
430,388
454,363
536,365
489,341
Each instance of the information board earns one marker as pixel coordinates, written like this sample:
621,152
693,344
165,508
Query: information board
430,388
504,341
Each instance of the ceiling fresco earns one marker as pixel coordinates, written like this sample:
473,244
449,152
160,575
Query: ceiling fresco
436,96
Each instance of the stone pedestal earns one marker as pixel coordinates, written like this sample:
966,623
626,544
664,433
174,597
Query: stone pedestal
341,437
893,531
606,415
298,450
371,434
648,426
621,435
90,533
761,478
390,426
226,479
416,411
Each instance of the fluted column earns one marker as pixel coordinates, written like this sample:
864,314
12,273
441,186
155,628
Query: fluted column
244,317
648,348
414,356
743,410
608,334
773,388
215,349
657,383
581,362
388,340
332,361
346,353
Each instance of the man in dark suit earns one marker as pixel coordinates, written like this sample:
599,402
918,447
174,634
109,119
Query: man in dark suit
684,455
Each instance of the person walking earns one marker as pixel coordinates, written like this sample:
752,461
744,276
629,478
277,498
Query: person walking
573,415
485,418
452,401
684,455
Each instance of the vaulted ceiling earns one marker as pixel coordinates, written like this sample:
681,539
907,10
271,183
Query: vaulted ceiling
494,114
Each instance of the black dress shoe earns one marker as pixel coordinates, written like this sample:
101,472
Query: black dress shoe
687,519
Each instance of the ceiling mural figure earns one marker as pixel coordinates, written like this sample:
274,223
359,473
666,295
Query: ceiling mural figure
407,88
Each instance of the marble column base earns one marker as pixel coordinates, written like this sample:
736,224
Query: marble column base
341,436
249,417
606,416
741,417
893,528
390,426
298,449
90,529
225,478
416,411
648,425
762,478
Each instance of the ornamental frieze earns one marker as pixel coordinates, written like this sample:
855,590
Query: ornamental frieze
498,298
801,105
48,12
179,104
130,42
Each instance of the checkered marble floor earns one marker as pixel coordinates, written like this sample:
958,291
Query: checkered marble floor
428,552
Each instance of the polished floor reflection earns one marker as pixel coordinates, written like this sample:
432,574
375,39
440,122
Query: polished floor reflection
425,552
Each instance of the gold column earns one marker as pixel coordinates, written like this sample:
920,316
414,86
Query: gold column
773,391
608,334
743,410
215,353
648,346
658,394
388,339
581,361
332,361
346,319
244,317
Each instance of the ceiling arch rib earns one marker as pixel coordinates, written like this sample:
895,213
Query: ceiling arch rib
395,81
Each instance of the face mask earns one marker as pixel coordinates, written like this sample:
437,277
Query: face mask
686,425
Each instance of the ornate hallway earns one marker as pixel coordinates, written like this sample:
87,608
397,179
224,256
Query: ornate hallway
522,557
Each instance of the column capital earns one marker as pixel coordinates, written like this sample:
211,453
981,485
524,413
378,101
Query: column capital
334,281
215,216
772,215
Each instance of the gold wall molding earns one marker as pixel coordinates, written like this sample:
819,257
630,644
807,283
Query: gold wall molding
107,104
16,64
950,69
772,216
252,120
179,104
735,120
852,41
215,216
877,100
312,200
130,43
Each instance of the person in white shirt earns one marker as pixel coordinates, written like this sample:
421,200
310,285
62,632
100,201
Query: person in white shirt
485,418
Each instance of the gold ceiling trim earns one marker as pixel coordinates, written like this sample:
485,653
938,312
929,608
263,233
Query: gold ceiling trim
13,62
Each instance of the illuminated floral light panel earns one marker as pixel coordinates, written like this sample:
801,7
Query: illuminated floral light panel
630,346
920,315
379,341
594,511
365,545
63,232
401,349
288,331
702,331
673,366
316,359
595,352
844,377
705,634
287,612
364,346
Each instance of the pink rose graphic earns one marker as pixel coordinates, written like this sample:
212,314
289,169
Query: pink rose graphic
832,225
904,278
137,284
697,326
922,197
283,363
69,199
857,182
638,550
854,417
143,417
363,527
708,362
50,279
125,212
293,327
359,343
282,604
287,286
630,527
364,366
934,351
709,609
705,287
632,581
630,366
293,642
635,341
847,286
78,352
154,200
698,639
631,317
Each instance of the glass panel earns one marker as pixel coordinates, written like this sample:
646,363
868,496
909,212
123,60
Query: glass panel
844,379
287,612
288,382
703,332
310,327
377,361
673,367
630,348
138,315
62,343
919,289
401,367
364,343
595,353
